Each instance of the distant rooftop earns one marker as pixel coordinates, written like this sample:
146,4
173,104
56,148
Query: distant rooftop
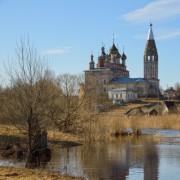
127,80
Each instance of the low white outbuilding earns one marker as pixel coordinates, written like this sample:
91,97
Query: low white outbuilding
122,95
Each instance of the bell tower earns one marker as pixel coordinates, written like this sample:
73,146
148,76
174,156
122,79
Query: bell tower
151,60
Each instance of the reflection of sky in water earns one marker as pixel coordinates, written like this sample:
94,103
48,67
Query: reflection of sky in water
135,174
11,163
163,132
169,155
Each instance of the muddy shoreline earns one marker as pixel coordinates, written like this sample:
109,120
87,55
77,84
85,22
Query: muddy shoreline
16,148
9,173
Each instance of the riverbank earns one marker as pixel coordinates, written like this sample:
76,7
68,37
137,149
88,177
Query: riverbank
57,139
11,173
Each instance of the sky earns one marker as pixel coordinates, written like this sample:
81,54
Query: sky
66,32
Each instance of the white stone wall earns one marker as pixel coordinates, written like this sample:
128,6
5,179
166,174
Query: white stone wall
125,95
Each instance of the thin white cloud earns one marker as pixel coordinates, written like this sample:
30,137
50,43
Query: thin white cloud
58,51
169,35
156,10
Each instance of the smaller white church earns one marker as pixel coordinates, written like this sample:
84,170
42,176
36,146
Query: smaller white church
121,95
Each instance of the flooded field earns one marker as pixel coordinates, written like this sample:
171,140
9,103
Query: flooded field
145,157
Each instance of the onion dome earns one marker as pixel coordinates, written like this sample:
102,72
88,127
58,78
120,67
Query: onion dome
103,51
114,49
123,57
107,58
118,55
91,64
92,58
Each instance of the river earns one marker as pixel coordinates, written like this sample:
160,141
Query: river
155,155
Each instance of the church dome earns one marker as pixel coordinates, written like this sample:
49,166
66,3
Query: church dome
114,49
118,55
123,56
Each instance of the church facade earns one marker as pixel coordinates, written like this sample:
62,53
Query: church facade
111,72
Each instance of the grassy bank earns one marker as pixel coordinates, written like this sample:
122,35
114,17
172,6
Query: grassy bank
8,173
115,122
53,134
109,123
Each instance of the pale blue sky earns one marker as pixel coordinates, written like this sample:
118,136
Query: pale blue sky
66,31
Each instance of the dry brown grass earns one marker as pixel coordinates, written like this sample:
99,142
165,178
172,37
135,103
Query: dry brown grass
8,173
115,118
114,122
55,134
9,130
109,123
171,121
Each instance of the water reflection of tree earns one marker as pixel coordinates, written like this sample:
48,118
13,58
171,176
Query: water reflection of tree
101,161
94,159
113,160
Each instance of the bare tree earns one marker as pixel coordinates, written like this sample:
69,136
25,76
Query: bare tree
73,115
68,113
31,95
